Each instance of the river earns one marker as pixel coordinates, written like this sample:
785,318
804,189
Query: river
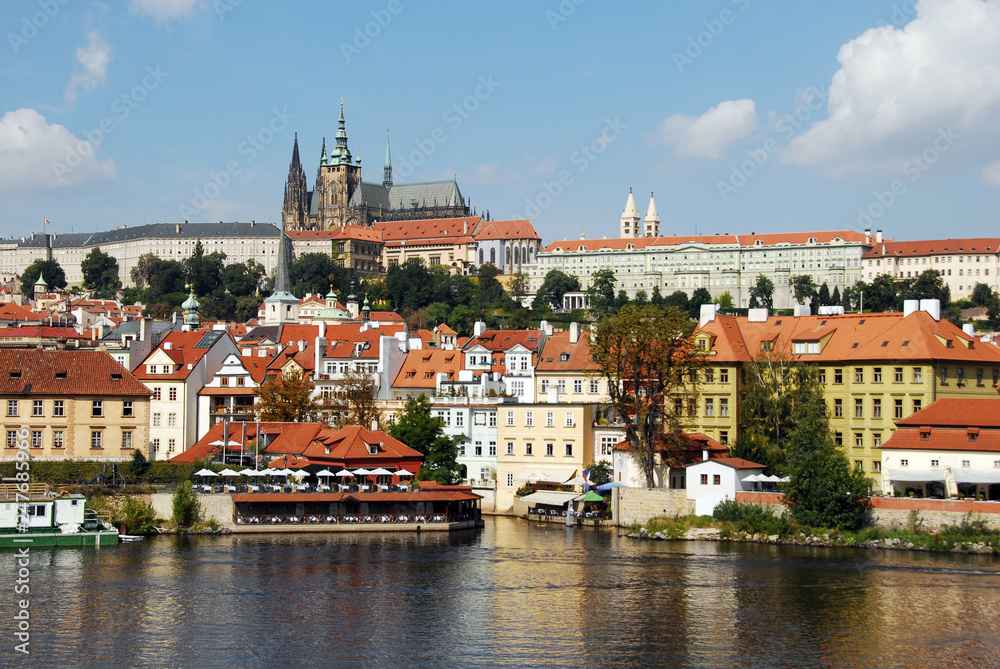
509,595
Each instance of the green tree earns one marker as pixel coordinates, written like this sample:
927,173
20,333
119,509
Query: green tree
313,273
408,285
287,399
881,294
243,279
651,364
354,401
699,297
824,491
762,293
725,301
556,284
100,274
835,298
185,505
679,300
423,432
983,295
137,516
519,288
489,292
144,271
823,296
50,270
600,472
139,466
757,448
203,271
602,291
803,288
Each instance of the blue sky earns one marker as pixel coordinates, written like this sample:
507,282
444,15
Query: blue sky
741,115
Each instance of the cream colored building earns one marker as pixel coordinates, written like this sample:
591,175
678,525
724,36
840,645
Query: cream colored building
962,262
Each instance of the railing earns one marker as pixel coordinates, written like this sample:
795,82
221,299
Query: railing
587,515
347,518
34,489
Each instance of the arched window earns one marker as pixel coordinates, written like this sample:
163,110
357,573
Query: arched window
531,252
480,257
493,256
517,255
506,256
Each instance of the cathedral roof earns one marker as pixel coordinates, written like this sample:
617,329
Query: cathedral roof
428,194
370,195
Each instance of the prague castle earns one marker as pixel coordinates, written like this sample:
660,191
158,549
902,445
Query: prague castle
339,196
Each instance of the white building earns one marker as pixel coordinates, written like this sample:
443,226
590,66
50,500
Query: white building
962,262
712,481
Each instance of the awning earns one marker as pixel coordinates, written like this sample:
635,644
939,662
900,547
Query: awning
557,475
976,476
915,475
551,497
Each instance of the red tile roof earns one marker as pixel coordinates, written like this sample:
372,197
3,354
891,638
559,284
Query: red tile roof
15,312
343,232
957,412
421,367
38,372
735,463
39,332
577,356
451,230
935,247
517,229
182,351
737,240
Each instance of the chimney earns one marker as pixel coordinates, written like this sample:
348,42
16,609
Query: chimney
142,328
374,425
708,312
933,307
878,236
868,236
479,328
757,316
969,329
302,345
704,454
253,223
909,306
574,333
802,310
168,346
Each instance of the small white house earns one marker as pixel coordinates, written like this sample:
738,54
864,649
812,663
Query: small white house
712,481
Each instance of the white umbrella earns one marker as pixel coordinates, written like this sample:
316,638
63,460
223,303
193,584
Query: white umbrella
380,472
276,472
785,479
345,472
205,472
246,471
403,472
577,480
219,442
228,472
754,478
361,472
324,472
771,479
298,472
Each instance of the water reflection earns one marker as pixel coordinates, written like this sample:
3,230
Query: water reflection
512,594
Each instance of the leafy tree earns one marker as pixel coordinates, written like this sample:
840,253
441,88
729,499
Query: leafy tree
202,271
835,298
823,296
218,306
762,293
621,300
725,301
100,274
640,298
168,278
699,297
602,291
657,297
145,269
824,491
138,516
312,273
49,269
519,288
246,308
423,432
556,284
600,472
758,448
803,288
983,295
354,401
679,300
651,364
185,505
927,286
243,279
489,292
881,294
286,399
139,465
408,285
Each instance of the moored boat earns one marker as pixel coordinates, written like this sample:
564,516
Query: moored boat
39,519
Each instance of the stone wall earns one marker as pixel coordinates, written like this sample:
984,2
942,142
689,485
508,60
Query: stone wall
218,507
637,505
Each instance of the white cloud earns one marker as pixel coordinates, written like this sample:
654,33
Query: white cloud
36,156
167,10
94,58
897,87
711,135
991,174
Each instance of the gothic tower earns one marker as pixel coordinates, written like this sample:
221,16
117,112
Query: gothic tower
652,220
295,209
340,175
387,168
630,219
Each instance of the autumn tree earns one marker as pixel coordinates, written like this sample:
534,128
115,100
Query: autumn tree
287,399
648,357
353,401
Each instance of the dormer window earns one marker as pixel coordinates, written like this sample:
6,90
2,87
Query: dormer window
564,357
372,449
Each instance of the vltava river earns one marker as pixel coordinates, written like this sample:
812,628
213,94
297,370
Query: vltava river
511,595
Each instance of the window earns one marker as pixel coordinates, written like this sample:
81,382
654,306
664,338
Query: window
154,446
724,437
709,407
517,388
493,419
838,408
561,385
57,439
569,450
965,463
916,405
935,463
172,419
709,375
510,419
157,418
171,444
11,438
876,408
510,480
224,381
478,451
723,406
577,385
550,449
838,438
510,448
594,388
157,393
127,409
459,419
550,419
877,439
897,408
838,376
859,439
36,438
918,375
716,479
608,443
36,408
569,419
859,375
126,439
876,466
944,374
59,408
821,377
493,449
173,394
704,479
897,375
859,465
960,375
96,439
545,385
241,381
528,448
859,408
979,376
97,408
723,376
11,407
877,375
529,418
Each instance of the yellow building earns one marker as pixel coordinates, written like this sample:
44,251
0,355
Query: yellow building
542,445
72,405
874,369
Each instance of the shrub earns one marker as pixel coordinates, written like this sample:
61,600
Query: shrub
186,508
751,518
136,515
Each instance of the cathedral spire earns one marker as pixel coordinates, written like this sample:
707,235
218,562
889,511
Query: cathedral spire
340,151
322,155
295,164
652,219
630,219
387,168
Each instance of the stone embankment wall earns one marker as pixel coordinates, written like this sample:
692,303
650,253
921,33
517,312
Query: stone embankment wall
892,512
637,505
217,507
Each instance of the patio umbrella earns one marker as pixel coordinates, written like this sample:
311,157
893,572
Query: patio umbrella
380,472
754,478
323,472
610,484
771,479
219,442
277,472
785,479
592,496
361,472
344,473
576,480
403,472
246,471
228,472
205,472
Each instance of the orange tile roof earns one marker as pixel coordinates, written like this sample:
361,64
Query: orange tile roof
735,463
942,439
578,357
421,367
351,444
825,237
935,247
502,340
344,232
182,352
39,331
957,412
435,228
256,366
83,372
11,311
517,229
280,435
